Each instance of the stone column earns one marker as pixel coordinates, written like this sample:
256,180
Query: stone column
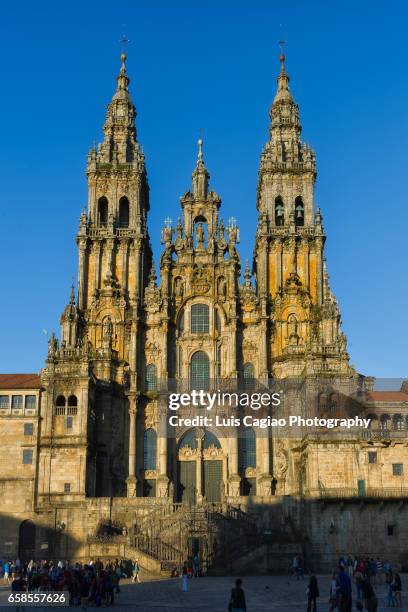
124,249
82,274
97,264
278,264
199,471
162,480
234,479
319,270
306,264
265,478
132,480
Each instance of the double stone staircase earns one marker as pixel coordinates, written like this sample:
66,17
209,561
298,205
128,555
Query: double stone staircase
219,533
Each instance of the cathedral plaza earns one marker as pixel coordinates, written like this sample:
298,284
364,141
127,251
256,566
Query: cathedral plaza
95,468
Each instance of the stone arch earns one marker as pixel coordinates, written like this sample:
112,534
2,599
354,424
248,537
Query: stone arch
123,212
103,211
26,540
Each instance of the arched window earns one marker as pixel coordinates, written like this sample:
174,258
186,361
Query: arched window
299,212
210,440
124,212
103,211
249,376
200,319
248,449
199,371
150,449
373,421
279,212
60,405
397,422
384,422
72,405
189,439
151,377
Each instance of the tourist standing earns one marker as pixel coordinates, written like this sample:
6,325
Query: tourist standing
136,571
196,565
312,594
397,590
7,572
237,601
345,591
370,599
184,577
334,593
390,593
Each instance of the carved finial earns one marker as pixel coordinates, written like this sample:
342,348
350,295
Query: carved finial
152,276
124,42
200,150
72,297
282,55
247,274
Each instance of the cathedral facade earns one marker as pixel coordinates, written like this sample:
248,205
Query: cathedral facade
100,450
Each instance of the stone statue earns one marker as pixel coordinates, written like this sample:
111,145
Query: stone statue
200,234
179,287
222,287
107,328
52,345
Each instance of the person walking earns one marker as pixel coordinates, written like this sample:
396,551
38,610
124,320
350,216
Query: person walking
136,571
369,596
389,579
196,565
312,594
346,600
184,577
237,601
6,577
397,590
334,593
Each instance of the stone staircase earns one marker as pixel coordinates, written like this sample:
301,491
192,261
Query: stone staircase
221,532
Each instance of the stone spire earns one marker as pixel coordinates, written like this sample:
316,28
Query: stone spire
120,142
201,176
285,145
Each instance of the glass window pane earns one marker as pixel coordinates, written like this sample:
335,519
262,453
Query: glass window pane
150,449
4,401
199,371
151,378
17,401
248,449
30,401
28,429
248,376
200,319
27,456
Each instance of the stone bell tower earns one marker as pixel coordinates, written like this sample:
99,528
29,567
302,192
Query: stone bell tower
293,286
91,378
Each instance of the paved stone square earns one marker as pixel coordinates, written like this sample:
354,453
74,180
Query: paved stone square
263,593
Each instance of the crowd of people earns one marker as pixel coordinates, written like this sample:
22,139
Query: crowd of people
95,582
365,573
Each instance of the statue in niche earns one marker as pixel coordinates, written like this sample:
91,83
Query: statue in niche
200,235
293,330
222,288
179,287
107,327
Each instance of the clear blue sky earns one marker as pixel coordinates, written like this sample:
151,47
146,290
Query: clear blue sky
209,65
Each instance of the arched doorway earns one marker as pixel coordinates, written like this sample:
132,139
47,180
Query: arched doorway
26,541
200,467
